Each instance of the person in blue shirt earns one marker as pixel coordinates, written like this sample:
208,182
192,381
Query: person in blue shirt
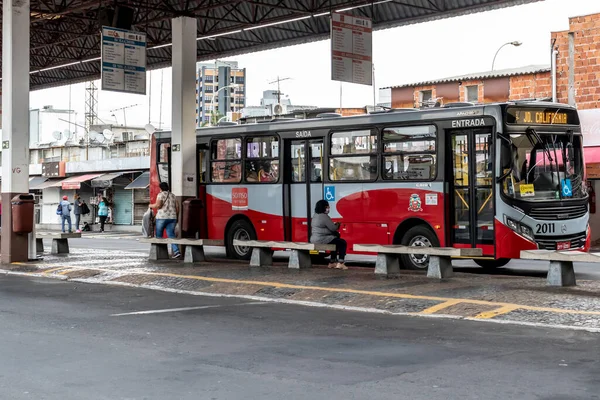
103,212
66,213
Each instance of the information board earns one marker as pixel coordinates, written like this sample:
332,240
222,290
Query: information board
123,60
351,49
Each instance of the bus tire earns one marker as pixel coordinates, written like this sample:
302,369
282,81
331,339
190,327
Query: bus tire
240,230
419,235
492,264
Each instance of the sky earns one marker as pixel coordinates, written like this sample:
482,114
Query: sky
411,53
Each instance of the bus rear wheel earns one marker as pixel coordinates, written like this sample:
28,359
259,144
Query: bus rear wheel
418,236
492,264
240,230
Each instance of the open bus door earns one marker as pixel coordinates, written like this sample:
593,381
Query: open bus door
303,186
471,189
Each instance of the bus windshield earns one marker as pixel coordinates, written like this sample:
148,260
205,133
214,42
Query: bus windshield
542,167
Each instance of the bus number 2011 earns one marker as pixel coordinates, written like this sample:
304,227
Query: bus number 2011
545,228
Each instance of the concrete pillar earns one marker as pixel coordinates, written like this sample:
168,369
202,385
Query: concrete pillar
184,181
15,121
183,139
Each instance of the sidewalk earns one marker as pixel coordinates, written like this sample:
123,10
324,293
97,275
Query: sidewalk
496,298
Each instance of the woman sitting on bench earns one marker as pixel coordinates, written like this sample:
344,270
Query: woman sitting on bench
325,231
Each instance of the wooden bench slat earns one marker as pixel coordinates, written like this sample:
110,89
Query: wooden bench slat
552,255
432,251
285,245
57,235
183,242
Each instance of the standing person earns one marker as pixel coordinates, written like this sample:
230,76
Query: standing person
166,216
66,213
103,212
325,231
77,210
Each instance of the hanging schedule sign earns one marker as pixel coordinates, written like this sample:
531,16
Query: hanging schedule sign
351,49
123,60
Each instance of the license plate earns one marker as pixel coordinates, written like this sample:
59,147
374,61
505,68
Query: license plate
563,245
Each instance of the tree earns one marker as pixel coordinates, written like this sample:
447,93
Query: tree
214,119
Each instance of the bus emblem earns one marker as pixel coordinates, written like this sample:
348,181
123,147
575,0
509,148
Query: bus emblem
414,204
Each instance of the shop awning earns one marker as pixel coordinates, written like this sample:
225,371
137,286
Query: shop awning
49,183
141,182
74,182
592,162
35,181
105,180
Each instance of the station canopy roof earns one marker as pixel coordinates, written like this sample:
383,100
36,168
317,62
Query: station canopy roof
65,34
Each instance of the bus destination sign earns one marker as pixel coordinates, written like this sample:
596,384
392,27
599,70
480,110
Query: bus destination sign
541,116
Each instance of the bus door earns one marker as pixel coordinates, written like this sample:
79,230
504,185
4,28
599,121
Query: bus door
303,186
202,161
471,189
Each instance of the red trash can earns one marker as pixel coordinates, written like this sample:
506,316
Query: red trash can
22,213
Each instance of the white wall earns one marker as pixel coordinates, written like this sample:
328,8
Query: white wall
51,198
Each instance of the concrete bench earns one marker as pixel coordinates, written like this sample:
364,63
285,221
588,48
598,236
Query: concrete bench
60,241
440,258
262,252
194,248
560,269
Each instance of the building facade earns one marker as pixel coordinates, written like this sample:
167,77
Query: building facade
108,161
524,83
274,103
220,89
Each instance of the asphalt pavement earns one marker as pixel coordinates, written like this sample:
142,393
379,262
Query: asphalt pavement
65,340
514,268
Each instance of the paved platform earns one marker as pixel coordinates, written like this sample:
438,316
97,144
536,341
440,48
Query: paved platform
498,298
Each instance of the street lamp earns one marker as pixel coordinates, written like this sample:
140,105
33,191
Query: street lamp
212,100
516,43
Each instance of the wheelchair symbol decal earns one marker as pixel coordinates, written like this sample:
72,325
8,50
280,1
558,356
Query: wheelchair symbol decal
330,193
566,188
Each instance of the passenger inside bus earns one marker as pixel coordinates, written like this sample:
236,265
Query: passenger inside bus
251,171
266,173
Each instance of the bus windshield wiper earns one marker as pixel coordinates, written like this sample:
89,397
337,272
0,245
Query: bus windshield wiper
546,148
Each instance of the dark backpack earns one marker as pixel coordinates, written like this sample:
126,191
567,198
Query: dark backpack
84,208
59,209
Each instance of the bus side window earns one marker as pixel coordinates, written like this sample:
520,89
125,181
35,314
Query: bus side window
409,153
164,151
262,159
353,155
226,161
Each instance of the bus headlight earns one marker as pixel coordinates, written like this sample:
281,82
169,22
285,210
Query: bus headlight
520,228
527,232
514,225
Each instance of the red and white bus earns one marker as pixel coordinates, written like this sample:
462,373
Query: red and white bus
501,177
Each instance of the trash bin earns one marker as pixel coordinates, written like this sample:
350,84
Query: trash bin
192,217
22,213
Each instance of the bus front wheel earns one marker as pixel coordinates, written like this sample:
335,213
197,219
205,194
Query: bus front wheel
240,230
492,264
418,236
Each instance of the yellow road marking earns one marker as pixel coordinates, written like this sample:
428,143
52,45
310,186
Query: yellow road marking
502,307
49,271
441,306
65,272
496,312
